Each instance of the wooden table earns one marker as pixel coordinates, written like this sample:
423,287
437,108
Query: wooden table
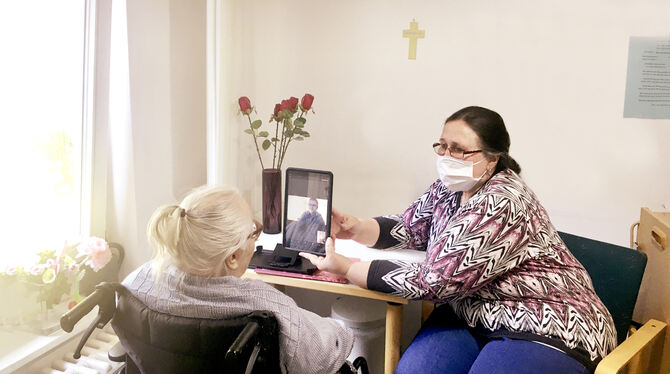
393,308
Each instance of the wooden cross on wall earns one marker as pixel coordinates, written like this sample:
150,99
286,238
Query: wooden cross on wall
413,34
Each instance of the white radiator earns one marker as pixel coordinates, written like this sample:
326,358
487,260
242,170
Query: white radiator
93,358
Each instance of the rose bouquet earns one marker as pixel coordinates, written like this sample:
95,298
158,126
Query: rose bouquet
289,119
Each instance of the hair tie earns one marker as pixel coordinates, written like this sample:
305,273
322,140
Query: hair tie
183,212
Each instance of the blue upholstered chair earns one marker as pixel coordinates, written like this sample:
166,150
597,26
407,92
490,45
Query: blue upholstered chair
616,273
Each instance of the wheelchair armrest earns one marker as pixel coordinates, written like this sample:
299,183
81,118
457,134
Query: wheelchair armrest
117,353
636,343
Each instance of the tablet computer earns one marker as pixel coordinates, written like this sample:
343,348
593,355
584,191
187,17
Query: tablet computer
308,197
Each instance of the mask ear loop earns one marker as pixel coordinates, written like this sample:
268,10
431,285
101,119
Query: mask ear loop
487,170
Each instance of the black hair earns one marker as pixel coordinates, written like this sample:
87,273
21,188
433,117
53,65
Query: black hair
490,128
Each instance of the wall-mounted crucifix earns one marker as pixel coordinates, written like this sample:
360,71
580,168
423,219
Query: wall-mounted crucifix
413,34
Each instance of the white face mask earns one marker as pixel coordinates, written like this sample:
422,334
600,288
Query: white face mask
457,174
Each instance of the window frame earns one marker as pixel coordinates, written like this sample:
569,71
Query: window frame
38,352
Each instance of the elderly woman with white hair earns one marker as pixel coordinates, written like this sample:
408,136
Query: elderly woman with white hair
202,246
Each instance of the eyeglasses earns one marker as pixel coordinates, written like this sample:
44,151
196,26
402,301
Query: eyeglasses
443,149
258,228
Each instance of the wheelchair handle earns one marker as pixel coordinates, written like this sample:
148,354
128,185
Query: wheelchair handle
237,348
69,319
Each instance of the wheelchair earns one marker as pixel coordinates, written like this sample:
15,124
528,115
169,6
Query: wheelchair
153,342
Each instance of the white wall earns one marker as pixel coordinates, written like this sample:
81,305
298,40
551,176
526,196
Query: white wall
555,71
166,147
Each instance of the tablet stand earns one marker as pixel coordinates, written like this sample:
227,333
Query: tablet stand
281,259
285,258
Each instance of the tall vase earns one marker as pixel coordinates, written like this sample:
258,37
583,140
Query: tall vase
272,201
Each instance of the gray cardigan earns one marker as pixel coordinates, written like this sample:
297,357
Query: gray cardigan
308,343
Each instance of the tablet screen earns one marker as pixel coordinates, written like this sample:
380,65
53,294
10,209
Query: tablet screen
308,196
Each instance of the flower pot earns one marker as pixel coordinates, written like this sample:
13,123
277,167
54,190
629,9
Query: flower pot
272,215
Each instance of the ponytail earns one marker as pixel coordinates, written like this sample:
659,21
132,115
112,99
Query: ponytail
505,161
163,232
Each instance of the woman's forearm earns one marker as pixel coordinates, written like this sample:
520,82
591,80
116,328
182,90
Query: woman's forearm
368,233
358,273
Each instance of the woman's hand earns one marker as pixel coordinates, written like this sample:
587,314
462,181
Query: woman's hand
332,262
344,226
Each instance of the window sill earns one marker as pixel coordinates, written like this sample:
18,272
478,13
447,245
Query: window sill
19,349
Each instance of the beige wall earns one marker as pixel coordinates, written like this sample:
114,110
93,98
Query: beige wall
555,71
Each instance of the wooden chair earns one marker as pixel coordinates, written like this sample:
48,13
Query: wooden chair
616,273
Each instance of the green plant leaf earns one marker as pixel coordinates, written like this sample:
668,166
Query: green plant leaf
289,133
248,131
266,144
275,139
299,122
305,134
256,124
263,134
299,138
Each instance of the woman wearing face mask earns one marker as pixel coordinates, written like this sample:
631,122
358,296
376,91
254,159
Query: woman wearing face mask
512,299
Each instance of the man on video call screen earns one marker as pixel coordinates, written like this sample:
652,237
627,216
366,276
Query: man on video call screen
306,213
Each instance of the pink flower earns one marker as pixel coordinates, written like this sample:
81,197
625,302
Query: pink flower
306,102
97,252
73,268
37,269
52,263
245,105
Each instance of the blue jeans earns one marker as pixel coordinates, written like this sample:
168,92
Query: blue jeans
445,346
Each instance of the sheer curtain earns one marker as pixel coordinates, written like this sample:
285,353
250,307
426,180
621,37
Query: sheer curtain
121,209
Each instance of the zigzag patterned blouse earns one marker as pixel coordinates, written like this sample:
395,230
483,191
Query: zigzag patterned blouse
501,265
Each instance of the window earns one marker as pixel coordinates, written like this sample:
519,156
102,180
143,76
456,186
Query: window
44,127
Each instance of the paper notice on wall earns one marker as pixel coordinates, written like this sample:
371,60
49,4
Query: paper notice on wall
648,78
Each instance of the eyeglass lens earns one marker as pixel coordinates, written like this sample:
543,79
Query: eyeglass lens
442,149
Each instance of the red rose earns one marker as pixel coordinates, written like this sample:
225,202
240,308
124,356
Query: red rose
289,104
306,102
245,105
285,105
277,109
293,101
